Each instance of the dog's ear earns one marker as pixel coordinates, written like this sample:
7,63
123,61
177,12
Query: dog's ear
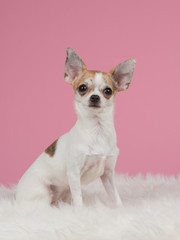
122,74
73,66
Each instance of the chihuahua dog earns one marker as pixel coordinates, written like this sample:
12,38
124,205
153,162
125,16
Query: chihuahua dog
88,151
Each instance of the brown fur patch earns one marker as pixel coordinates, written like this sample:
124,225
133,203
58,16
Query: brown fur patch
51,149
91,74
110,83
81,80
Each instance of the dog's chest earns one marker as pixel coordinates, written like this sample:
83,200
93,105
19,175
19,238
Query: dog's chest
100,140
100,145
93,168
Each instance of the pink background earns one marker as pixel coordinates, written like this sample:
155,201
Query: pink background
36,105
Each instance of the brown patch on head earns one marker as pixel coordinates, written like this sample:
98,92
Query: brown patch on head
51,149
81,79
90,75
110,84
86,74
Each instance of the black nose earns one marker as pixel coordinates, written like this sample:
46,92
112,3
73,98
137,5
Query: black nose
94,98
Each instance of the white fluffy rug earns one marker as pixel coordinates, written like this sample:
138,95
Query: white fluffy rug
150,211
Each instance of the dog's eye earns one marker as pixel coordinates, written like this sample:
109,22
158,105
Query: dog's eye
108,91
82,88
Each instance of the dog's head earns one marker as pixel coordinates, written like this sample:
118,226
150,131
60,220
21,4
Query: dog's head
95,89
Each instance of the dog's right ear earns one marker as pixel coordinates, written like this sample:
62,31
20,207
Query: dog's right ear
73,66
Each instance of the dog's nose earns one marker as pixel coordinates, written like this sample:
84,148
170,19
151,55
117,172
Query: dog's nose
94,98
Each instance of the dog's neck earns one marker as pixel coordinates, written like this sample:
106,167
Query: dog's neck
89,118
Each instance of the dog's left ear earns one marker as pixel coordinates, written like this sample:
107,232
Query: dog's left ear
123,73
73,66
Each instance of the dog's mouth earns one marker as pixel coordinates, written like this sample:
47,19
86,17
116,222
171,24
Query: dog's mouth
94,105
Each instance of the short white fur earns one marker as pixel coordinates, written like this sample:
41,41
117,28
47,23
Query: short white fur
87,152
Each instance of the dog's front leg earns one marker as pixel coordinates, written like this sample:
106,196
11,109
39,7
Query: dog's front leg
75,187
110,187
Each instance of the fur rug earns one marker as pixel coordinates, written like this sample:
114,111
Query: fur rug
150,211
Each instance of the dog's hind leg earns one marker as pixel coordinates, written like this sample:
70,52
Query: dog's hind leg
33,189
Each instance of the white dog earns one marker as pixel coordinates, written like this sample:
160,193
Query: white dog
88,151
